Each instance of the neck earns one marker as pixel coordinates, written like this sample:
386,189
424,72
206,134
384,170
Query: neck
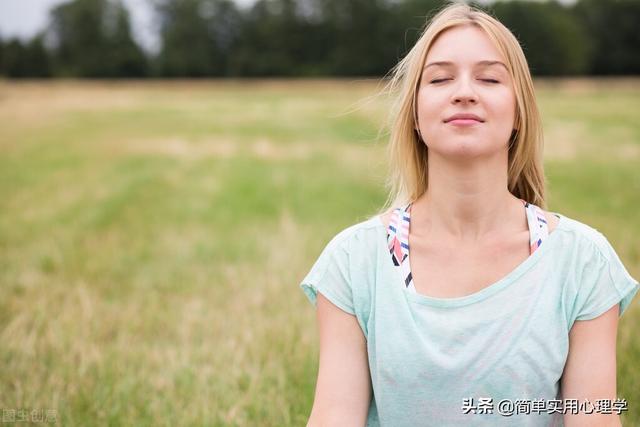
467,203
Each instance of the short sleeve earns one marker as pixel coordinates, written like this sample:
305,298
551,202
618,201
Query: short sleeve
604,283
330,276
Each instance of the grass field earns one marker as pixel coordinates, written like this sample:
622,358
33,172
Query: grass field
153,235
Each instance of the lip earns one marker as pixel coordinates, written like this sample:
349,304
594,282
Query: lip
464,122
463,118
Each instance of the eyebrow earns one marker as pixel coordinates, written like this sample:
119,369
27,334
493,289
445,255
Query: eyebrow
484,63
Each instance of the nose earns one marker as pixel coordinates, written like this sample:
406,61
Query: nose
463,92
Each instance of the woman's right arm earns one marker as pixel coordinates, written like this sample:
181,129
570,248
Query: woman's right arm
343,389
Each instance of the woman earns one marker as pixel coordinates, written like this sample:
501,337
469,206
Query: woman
501,313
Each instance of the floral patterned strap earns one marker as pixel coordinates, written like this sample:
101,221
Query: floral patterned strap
398,242
538,227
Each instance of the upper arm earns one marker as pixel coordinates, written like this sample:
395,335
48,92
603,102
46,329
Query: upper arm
590,370
343,389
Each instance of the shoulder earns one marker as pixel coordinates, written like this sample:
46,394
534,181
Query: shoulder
596,277
582,236
364,231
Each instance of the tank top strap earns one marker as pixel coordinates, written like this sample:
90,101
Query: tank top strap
398,241
538,228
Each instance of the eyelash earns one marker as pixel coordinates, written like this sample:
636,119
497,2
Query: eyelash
485,80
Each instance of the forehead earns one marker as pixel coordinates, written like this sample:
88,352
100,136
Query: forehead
464,45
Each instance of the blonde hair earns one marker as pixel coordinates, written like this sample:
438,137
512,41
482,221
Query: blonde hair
407,154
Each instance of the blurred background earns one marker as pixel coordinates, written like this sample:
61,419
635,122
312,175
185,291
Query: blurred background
223,38
171,169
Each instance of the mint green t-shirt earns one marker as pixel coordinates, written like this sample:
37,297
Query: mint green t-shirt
509,340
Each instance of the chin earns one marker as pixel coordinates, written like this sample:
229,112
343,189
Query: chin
464,148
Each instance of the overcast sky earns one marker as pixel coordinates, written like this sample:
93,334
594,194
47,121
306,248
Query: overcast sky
24,18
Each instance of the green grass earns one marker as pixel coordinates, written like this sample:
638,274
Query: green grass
153,236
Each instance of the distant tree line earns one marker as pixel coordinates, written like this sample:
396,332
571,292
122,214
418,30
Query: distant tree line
216,38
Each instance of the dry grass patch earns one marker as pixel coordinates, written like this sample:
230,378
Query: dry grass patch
38,102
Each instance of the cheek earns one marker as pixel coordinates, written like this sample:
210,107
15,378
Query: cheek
421,102
502,108
509,104
430,106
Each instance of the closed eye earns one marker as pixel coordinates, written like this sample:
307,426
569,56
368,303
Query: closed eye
484,80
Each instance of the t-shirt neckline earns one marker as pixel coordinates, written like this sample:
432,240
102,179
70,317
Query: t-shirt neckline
485,292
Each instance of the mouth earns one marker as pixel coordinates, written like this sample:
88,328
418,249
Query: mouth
464,122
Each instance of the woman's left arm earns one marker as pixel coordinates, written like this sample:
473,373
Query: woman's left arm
590,370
